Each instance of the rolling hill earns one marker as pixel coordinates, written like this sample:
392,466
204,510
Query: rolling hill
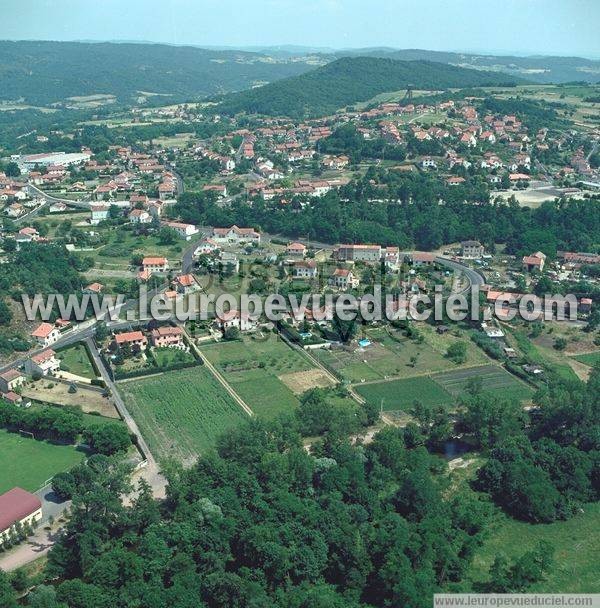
541,69
42,73
352,79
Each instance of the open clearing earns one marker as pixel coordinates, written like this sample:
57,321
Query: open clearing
260,369
57,393
300,382
181,413
576,542
28,463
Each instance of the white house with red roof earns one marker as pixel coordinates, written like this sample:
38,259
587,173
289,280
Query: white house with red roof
185,284
45,334
234,318
295,250
154,264
305,269
235,235
343,278
168,337
183,230
43,363
132,338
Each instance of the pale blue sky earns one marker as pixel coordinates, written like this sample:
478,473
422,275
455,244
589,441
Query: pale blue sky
561,27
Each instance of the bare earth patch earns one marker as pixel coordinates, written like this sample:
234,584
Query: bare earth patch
300,382
57,393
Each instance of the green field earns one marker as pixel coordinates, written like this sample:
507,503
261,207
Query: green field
181,413
493,378
170,356
76,361
28,463
590,359
576,559
253,367
401,394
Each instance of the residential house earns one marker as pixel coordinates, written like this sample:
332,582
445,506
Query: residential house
358,253
153,265
43,363
305,269
342,278
236,235
295,250
472,249
10,380
234,318
45,334
422,258
94,288
535,261
135,339
185,283
184,231
140,216
168,337
99,214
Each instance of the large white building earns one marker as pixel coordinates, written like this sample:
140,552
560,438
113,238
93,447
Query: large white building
30,161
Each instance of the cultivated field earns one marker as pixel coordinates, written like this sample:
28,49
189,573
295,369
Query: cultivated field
493,378
442,388
28,463
590,359
401,394
181,413
264,371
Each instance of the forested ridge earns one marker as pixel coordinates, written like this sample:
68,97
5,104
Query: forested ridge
45,72
350,80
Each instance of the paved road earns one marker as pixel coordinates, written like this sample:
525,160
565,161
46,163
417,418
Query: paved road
473,276
151,472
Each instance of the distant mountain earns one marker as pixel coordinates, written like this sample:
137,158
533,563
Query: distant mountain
42,73
541,69
353,79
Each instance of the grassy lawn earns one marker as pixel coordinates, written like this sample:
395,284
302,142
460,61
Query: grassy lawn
253,366
168,356
401,394
76,361
28,463
576,541
589,358
181,413
494,379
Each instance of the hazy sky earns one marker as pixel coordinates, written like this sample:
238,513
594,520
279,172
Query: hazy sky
559,27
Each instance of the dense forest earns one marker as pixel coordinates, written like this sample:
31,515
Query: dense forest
412,221
350,80
260,522
42,73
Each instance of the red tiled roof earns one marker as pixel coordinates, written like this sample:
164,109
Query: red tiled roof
15,505
42,331
129,336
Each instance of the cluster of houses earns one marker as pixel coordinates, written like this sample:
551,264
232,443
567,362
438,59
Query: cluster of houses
160,337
